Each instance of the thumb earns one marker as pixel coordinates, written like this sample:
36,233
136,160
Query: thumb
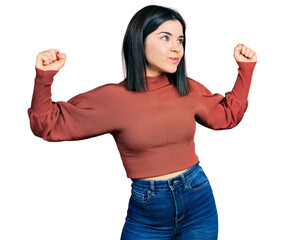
61,56
60,62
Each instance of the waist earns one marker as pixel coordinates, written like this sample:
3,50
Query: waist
162,184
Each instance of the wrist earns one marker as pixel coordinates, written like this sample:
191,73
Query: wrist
246,65
45,77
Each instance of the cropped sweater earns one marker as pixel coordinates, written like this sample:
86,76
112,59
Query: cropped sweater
153,130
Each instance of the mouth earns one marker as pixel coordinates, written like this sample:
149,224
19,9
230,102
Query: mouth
175,60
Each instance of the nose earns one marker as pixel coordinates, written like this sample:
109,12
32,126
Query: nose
176,47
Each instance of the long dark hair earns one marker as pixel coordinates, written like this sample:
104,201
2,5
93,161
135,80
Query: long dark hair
144,22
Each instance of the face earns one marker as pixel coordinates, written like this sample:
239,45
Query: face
164,48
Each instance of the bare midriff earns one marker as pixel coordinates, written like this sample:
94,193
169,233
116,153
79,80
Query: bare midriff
166,176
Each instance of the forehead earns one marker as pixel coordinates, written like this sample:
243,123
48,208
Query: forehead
172,26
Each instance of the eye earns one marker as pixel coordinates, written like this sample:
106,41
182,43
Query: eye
165,38
180,40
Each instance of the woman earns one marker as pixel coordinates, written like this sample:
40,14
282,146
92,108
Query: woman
152,116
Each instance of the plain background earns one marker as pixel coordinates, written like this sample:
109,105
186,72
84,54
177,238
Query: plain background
79,190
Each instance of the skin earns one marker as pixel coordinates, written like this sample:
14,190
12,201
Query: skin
165,42
158,48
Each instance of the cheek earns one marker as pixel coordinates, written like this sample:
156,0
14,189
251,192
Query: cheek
181,53
163,51
150,53
155,54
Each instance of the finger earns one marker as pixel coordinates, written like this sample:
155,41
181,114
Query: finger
251,54
39,60
61,56
53,54
45,59
47,51
247,52
239,45
50,55
57,53
243,51
254,54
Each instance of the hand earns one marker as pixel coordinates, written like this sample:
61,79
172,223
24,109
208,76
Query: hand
242,53
50,59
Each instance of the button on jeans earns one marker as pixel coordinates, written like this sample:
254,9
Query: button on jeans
179,208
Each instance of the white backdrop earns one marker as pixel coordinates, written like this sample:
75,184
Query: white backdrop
79,190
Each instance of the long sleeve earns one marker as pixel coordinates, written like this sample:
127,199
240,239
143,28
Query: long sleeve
83,116
218,112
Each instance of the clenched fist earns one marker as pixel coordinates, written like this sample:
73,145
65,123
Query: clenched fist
51,59
242,53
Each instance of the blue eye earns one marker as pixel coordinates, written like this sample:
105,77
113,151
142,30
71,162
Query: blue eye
180,40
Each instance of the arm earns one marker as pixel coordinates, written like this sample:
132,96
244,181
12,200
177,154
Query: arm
83,116
219,112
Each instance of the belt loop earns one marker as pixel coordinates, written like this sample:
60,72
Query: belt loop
184,181
152,187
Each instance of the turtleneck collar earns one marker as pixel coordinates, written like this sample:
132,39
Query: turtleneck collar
156,82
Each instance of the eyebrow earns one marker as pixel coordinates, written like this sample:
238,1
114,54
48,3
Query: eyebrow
181,36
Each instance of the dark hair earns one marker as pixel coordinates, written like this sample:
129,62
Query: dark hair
144,22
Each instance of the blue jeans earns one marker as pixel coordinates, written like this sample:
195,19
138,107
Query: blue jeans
179,208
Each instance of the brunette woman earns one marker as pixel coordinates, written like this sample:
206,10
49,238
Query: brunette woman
152,116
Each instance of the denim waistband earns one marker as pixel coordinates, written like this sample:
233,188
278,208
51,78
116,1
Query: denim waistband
165,184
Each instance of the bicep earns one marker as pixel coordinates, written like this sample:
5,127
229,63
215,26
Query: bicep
83,116
218,112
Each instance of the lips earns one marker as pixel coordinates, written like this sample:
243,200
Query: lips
174,59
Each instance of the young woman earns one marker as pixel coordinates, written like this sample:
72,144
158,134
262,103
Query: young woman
152,116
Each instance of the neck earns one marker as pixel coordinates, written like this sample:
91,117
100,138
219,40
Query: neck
155,82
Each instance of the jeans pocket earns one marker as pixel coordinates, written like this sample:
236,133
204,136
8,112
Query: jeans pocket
198,181
140,195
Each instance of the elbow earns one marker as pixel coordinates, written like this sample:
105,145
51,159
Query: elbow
226,115
36,131
41,134
229,122
231,113
222,126
237,118
231,125
37,126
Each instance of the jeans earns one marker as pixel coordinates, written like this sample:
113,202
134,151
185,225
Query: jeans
179,208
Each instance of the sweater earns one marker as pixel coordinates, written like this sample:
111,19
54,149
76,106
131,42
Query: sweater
153,130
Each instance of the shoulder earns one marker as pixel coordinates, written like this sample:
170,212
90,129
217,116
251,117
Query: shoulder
106,93
111,87
106,89
193,82
197,86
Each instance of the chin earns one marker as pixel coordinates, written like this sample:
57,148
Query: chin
171,70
